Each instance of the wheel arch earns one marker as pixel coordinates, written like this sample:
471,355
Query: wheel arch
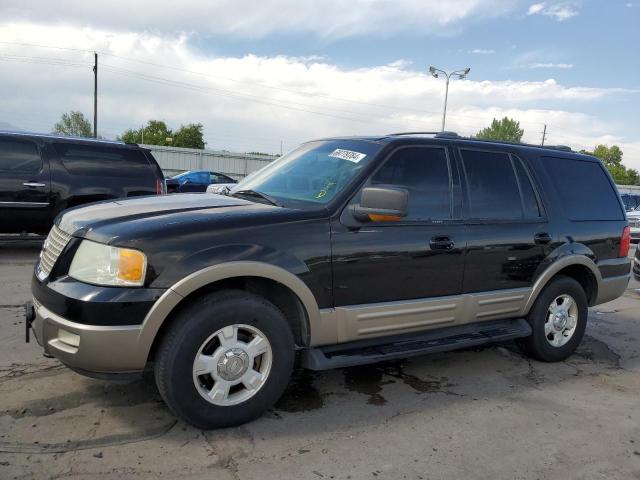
288,292
579,267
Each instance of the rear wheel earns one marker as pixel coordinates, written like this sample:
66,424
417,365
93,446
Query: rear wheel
558,319
226,359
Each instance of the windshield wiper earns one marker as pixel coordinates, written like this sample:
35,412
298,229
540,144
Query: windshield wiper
254,193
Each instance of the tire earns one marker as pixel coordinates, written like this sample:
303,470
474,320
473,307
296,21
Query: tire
548,343
198,331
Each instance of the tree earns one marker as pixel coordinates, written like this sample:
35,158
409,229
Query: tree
155,132
73,124
507,130
612,159
189,136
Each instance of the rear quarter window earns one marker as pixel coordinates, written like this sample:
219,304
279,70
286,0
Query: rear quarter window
103,161
584,189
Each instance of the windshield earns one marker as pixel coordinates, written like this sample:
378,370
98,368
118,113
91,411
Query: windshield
313,173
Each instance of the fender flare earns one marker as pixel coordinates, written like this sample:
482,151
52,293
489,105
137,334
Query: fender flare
177,292
553,269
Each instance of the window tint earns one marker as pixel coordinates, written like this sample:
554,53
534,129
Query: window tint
219,178
529,200
492,185
585,190
19,156
103,161
425,174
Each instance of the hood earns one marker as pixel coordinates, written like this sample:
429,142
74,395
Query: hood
82,220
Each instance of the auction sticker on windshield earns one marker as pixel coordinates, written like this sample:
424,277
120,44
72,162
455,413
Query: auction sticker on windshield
350,155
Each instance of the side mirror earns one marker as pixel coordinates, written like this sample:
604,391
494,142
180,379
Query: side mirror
381,204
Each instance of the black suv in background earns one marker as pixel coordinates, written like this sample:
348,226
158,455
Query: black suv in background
42,175
343,252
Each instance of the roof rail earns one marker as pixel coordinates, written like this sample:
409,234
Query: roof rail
411,133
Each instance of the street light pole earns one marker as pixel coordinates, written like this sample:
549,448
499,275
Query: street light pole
436,73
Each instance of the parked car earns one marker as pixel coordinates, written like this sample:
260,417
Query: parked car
343,252
634,224
42,175
223,188
196,181
631,201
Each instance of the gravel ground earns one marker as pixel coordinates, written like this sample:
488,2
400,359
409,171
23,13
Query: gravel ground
473,414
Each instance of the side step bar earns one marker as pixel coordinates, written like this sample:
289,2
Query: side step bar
451,338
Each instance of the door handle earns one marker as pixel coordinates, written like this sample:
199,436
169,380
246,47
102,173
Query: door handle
34,184
441,243
542,238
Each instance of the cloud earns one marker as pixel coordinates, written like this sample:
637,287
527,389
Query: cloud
558,11
327,19
552,65
482,51
251,103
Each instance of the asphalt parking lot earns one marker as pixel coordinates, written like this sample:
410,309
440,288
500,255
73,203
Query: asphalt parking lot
482,413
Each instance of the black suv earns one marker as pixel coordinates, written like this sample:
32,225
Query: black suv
343,252
42,175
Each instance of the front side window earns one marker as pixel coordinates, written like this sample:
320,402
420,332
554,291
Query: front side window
424,173
492,186
19,156
314,173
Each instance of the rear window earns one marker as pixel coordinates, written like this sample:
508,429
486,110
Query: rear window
585,189
19,156
103,161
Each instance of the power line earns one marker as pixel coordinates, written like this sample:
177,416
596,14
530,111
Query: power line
297,92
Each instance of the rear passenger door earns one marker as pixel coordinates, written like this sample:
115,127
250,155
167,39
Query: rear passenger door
24,187
508,232
93,171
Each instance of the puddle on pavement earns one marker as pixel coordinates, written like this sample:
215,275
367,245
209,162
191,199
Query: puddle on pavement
367,380
597,351
301,395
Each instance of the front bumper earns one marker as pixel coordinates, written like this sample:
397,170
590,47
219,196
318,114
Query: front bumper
89,348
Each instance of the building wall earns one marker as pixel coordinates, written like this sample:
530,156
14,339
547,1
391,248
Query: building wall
173,160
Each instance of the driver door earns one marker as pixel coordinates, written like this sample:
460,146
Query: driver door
399,277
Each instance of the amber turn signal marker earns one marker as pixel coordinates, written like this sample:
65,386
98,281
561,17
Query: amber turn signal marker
383,218
131,265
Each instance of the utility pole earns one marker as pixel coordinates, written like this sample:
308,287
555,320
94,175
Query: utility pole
544,134
95,95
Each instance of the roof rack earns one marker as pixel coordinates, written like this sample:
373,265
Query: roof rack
436,134
447,134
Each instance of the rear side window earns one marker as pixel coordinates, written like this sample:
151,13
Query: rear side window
424,172
584,188
19,156
493,188
103,161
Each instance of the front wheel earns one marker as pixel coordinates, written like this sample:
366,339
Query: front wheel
558,320
226,358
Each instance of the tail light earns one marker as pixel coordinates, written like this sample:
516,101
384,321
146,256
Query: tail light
161,187
625,241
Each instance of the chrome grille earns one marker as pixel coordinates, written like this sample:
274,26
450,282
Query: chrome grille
51,250
634,222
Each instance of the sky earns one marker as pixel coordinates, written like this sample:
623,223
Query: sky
266,75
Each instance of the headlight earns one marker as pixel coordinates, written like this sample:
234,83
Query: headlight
106,265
